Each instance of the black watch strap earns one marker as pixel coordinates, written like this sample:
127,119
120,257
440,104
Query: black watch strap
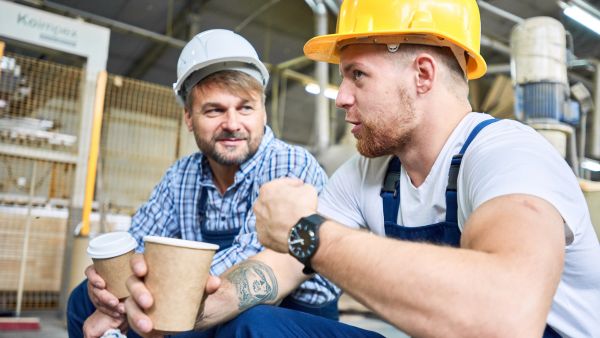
308,270
317,220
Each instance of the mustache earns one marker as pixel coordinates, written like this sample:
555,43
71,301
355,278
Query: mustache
229,134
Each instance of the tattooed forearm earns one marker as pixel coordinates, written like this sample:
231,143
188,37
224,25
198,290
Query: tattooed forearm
254,282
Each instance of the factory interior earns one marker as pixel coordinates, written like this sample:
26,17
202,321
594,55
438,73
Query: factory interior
89,122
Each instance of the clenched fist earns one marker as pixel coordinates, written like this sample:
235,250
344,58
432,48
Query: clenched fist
280,204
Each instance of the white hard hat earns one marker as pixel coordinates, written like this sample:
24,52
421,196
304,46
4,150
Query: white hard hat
212,51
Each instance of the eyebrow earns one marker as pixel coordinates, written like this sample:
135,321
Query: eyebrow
347,68
210,105
218,105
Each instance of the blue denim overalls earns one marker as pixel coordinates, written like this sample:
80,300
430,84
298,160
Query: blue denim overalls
224,239
447,232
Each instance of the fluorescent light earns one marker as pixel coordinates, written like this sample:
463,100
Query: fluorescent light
590,165
314,88
582,16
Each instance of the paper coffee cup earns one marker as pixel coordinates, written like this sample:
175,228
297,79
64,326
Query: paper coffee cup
111,253
177,274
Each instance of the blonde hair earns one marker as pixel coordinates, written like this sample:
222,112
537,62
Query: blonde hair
232,81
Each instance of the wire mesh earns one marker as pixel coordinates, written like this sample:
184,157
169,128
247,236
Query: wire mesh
40,105
140,140
39,118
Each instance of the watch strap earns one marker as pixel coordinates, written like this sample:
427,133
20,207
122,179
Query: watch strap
316,220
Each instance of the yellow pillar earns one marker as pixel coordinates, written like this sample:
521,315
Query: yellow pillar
591,191
90,181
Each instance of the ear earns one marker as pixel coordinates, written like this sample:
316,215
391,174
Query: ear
426,71
187,116
265,118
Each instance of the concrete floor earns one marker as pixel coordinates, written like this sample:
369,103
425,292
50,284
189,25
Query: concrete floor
50,327
53,327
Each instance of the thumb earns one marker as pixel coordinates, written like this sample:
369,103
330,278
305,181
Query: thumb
212,284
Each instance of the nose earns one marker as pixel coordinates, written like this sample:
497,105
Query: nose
345,98
232,120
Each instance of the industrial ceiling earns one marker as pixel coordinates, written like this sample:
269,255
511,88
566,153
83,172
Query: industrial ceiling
277,28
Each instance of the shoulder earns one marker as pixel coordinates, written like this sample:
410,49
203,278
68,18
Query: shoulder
509,137
509,157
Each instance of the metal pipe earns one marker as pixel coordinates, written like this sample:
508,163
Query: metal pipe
594,137
495,45
275,76
113,24
333,6
256,13
498,69
500,12
322,108
25,250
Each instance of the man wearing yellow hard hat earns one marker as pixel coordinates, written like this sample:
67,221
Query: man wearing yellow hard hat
477,227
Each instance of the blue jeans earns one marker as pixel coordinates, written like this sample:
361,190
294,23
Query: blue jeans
259,321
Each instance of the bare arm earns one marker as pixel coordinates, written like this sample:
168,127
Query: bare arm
499,283
266,278
263,279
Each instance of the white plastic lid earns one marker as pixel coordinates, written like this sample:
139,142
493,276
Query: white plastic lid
181,242
112,244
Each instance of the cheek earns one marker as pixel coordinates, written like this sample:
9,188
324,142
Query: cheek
255,124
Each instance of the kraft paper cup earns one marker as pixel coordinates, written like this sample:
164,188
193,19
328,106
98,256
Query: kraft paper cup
177,274
111,253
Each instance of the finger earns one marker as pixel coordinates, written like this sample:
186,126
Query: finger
139,293
138,321
106,306
94,278
106,299
212,284
121,308
138,265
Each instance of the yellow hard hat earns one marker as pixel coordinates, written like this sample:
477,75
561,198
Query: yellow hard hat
450,23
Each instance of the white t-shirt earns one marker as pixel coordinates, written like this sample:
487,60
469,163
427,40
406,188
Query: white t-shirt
506,157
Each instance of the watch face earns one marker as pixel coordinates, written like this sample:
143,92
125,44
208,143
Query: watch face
302,242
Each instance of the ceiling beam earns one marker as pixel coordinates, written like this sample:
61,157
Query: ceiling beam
148,58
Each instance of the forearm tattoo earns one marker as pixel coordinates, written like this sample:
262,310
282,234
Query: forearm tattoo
254,282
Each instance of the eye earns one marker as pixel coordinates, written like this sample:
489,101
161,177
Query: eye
247,109
357,74
213,112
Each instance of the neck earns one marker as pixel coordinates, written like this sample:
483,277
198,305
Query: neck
223,175
430,136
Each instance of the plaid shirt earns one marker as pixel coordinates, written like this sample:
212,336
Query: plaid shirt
173,209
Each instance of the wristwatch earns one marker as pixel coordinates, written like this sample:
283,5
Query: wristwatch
303,240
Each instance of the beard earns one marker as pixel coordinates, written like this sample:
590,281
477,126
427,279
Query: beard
229,155
381,135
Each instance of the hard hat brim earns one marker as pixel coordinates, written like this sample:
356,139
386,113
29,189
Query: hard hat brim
325,48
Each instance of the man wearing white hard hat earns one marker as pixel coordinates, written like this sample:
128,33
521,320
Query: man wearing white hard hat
208,196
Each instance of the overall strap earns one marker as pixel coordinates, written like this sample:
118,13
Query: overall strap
202,202
451,193
390,191
223,238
